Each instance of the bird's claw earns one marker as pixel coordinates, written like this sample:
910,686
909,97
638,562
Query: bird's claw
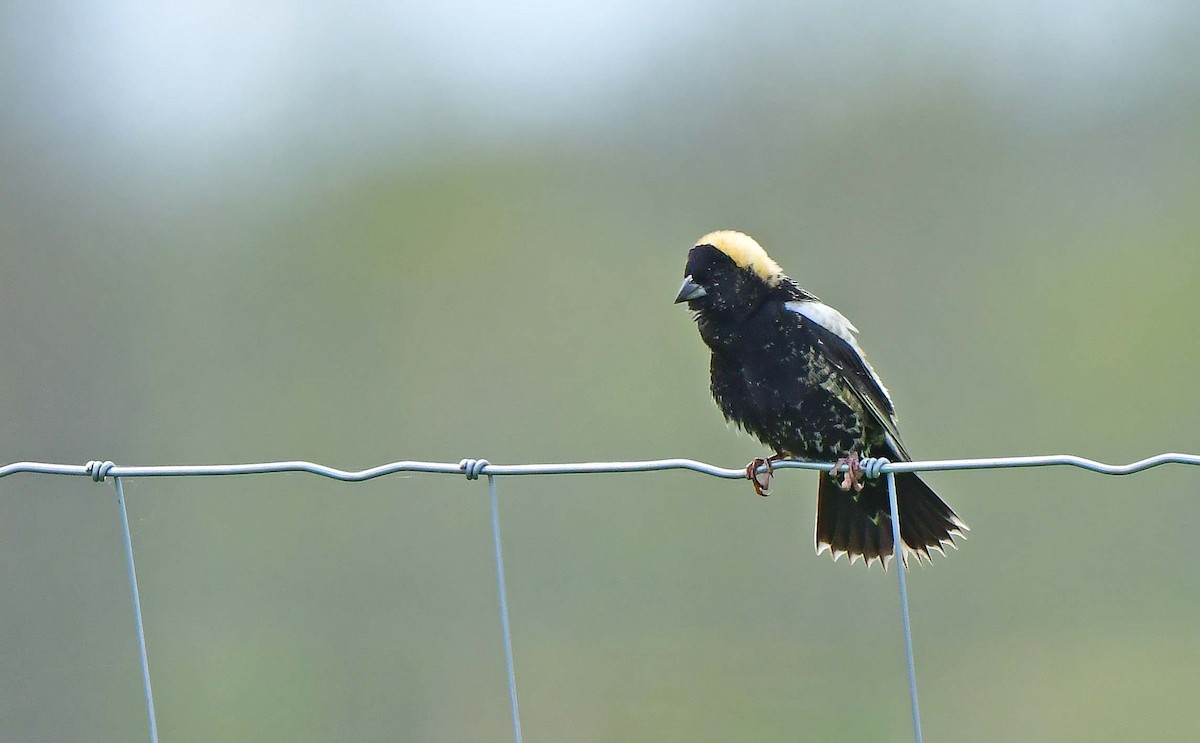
763,486
852,477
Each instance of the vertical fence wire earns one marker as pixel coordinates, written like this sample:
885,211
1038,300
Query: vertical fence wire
137,611
897,558
503,591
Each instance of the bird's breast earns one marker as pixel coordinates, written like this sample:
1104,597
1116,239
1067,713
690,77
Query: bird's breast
794,400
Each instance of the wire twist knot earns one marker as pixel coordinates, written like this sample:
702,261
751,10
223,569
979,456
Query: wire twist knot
872,467
98,470
473,467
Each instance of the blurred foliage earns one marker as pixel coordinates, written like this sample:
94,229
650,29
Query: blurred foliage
1018,245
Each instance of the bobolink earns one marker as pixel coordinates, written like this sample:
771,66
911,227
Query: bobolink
787,368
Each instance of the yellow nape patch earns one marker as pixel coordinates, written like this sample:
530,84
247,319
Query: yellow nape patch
745,252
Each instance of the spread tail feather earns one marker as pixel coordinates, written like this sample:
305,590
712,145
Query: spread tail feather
859,524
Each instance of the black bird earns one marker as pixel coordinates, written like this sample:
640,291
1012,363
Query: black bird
787,368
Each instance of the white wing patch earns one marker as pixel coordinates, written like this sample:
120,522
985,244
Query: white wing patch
836,323
828,318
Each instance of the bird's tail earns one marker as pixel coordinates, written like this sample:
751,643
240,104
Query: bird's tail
859,524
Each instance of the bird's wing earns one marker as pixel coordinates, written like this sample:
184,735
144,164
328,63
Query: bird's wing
836,335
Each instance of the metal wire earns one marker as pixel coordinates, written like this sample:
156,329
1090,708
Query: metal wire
500,588
898,548
137,610
474,468
579,468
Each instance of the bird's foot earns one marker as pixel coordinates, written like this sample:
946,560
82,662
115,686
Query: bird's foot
852,478
763,486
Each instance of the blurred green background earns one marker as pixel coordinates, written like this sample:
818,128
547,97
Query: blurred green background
378,232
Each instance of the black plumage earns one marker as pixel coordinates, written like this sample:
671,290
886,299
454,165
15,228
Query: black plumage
788,369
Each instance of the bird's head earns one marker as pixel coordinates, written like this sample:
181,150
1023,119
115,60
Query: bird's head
727,272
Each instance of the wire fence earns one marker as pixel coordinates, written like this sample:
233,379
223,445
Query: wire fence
473,469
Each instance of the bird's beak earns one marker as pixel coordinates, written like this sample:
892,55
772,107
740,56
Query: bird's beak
689,291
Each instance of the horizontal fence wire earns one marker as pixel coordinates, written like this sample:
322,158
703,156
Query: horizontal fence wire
473,469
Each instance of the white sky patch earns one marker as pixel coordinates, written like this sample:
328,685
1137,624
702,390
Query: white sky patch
220,73
182,87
